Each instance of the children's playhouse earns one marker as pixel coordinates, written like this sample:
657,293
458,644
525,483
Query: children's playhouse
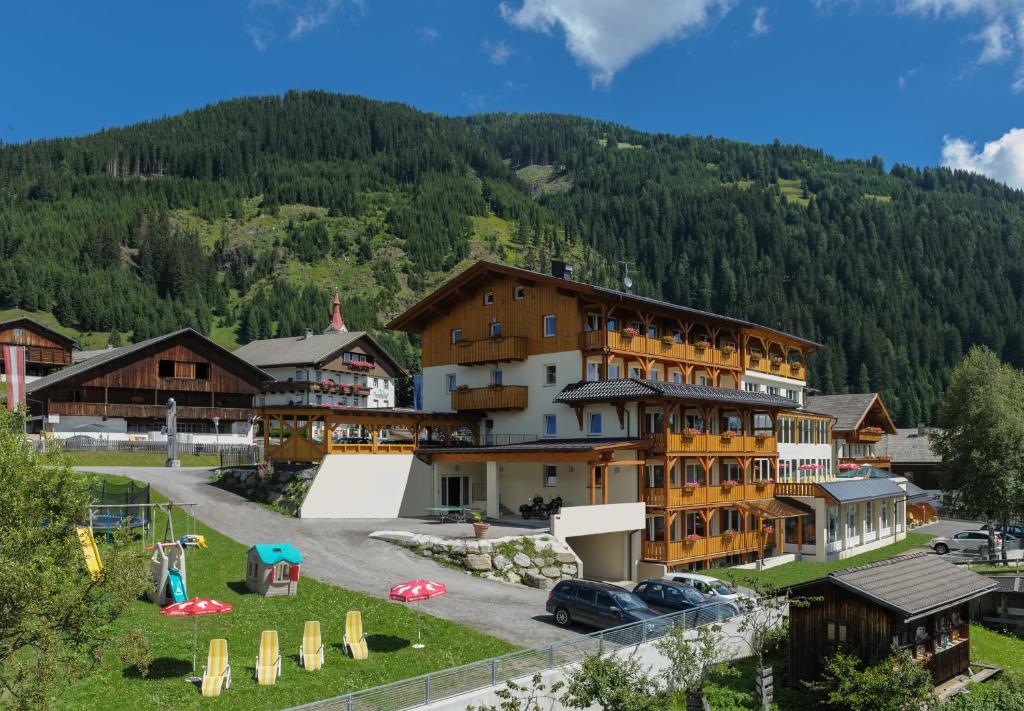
273,569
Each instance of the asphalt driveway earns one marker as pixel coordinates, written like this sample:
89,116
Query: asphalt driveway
339,552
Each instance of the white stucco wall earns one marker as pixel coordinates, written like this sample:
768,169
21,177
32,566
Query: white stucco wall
381,395
601,518
765,379
368,486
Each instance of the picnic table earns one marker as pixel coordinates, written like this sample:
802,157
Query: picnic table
450,513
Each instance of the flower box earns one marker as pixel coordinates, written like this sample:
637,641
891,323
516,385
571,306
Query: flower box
691,486
693,537
629,332
727,348
730,483
762,436
689,433
702,345
462,388
762,483
667,340
729,434
872,430
727,535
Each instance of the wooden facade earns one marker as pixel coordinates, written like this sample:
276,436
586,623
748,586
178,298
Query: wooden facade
135,383
46,350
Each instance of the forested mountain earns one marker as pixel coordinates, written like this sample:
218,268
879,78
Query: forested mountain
239,218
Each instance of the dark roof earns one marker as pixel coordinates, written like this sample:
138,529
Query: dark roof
552,445
917,495
113,354
405,320
9,323
1008,583
848,410
914,585
635,389
314,349
909,446
848,492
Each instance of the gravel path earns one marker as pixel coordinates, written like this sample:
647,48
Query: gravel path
339,552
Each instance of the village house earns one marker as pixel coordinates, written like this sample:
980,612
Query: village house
122,393
46,349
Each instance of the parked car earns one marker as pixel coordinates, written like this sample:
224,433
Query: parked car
713,588
596,604
972,541
1011,530
667,596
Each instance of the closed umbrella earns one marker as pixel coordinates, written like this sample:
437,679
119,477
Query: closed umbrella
416,591
194,608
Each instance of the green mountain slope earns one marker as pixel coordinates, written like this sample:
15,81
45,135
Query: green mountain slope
241,217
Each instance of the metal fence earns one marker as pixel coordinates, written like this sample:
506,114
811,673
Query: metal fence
187,447
447,683
243,456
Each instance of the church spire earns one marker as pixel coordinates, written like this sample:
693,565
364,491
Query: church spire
336,325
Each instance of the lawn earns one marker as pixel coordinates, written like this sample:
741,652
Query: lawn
1002,650
137,459
219,572
800,571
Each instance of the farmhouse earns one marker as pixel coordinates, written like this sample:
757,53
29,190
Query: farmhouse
46,350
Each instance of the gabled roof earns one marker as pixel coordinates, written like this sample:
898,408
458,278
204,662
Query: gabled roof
849,410
274,553
634,389
314,349
115,354
909,446
55,335
913,585
411,319
852,491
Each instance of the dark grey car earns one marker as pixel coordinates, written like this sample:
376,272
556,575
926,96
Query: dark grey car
595,604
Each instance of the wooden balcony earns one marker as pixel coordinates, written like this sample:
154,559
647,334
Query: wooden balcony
500,397
185,412
708,547
881,461
659,348
675,443
762,364
795,488
681,497
490,350
863,436
370,448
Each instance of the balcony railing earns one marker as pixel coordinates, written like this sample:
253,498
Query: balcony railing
494,397
863,436
704,548
704,495
794,488
784,369
713,443
185,412
660,347
490,350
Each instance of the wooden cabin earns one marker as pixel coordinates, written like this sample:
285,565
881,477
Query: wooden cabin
46,350
124,391
916,602
273,569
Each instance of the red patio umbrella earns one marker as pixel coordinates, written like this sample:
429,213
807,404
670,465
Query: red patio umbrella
849,466
194,608
416,591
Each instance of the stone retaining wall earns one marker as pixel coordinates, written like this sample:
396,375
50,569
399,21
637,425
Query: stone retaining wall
537,561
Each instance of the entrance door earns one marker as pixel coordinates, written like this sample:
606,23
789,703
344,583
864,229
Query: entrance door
455,491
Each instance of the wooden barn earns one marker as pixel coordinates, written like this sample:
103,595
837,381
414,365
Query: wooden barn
915,602
120,392
46,350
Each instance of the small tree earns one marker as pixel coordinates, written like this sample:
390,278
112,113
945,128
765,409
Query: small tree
519,697
897,683
695,660
55,620
613,683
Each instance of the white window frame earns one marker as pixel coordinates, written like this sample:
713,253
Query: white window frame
592,419
593,371
456,335
494,329
549,319
488,298
519,293
551,420
550,374
451,382
550,475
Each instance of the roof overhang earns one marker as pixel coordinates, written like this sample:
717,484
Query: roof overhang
596,453
911,615
780,507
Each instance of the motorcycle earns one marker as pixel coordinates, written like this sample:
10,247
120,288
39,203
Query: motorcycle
540,510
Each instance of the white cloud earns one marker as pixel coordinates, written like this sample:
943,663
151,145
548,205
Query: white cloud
1002,159
760,24
428,33
606,35
905,78
997,41
261,37
497,52
312,16
294,18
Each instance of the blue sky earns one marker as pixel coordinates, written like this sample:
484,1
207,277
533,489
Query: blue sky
915,81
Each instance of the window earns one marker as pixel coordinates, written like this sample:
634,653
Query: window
785,430
677,377
730,519
703,380
495,329
373,381
805,431
851,522
319,376
488,298
613,371
166,369
652,331
677,335
549,326
612,324
884,511
637,326
634,372
762,469
593,371
550,426
791,394
823,432
655,374
751,387
655,528
449,382
869,516
496,377
456,335
694,473
282,571
835,631
550,475
833,524
202,371
595,423
655,476
319,399
519,293
550,375
772,389
730,470
593,322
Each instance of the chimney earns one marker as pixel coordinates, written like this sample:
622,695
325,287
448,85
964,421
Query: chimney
922,431
336,325
561,270
307,333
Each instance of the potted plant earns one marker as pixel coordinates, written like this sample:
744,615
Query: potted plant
479,525
689,433
762,435
692,538
629,332
667,340
727,348
691,486
762,483
872,430
728,534
729,483
755,355
702,344
729,434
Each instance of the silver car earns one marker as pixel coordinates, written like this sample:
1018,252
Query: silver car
965,541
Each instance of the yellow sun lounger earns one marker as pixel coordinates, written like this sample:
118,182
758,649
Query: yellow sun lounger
217,672
311,652
268,663
355,641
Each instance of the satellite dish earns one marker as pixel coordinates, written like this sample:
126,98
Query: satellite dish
627,282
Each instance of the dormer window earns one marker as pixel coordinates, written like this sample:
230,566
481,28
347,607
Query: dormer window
488,298
519,293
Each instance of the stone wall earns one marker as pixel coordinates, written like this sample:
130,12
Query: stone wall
537,561
282,488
